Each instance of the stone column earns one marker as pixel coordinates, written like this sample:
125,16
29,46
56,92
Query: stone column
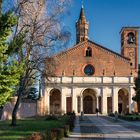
48,103
114,99
131,104
81,103
97,103
63,101
74,100
104,101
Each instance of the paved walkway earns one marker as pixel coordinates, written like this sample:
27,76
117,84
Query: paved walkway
104,128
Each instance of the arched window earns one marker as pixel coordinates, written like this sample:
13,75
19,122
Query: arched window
88,52
131,38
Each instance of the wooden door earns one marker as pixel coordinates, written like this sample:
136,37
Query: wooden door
88,105
69,104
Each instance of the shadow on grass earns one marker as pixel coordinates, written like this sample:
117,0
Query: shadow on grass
27,127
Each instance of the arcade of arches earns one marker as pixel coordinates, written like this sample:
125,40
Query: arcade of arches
87,102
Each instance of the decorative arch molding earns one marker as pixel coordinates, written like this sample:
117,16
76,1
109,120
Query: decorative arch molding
51,89
124,89
94,89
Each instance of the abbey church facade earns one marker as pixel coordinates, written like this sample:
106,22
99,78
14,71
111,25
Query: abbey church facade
90,76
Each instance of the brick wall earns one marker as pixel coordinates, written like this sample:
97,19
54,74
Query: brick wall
74,60
26,109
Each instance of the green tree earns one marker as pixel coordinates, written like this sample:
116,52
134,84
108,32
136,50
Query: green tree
9,73
137,88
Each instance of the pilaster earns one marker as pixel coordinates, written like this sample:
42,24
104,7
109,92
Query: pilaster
104,101
97,103
81,103
48,103
114,99
74,100
63,100
131,94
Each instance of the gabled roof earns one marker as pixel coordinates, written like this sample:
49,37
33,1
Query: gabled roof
97,45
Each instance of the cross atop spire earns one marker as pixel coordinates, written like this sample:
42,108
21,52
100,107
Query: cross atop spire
82,3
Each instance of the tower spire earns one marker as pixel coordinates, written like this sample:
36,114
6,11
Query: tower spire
82,26
82,13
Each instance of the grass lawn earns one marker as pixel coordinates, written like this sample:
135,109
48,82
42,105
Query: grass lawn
27,127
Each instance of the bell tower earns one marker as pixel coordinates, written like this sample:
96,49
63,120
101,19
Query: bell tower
129,46
81,27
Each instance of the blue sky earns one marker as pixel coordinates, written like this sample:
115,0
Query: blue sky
106,18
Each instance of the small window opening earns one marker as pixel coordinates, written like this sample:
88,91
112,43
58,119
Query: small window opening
88,52
131,64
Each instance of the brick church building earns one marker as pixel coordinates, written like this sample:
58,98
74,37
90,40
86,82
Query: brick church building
90,76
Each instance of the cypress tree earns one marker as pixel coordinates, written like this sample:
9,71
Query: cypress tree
9,70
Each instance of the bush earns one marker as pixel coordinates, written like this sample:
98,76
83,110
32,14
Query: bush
57,134
53,134
71,120
111,114
46,135
60,134
51,117
71,124
129,117
66,130
36,136
71,113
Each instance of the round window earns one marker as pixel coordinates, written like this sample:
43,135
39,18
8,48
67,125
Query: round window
89,70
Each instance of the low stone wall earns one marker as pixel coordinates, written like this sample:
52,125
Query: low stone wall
26,109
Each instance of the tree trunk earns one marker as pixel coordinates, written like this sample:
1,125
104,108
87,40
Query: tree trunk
15,110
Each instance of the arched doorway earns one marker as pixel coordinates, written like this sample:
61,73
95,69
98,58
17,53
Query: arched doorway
123,101
55,101
89,101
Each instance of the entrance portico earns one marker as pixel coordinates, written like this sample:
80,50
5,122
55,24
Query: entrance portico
105,93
